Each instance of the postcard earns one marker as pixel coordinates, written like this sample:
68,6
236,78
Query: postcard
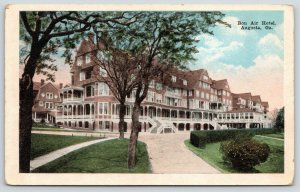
184,94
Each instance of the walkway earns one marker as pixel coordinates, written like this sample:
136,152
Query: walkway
270,137
168,154
42,160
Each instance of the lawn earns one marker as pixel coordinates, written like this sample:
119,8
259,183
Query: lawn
275,135
212,155
105,157
42,144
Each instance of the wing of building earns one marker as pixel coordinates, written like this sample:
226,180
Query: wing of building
182,101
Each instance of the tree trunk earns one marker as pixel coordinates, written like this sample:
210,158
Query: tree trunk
26,100
122,113
25,124
132,147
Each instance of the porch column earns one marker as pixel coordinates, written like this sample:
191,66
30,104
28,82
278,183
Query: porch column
72,94
35,116
72,111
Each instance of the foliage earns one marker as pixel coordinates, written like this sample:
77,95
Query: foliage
42,144
58,33
279,122
105,157
201,138
243,153
212,155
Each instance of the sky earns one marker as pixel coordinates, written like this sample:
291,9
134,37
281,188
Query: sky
251,60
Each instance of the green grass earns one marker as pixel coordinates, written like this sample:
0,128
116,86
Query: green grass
42,144
212,155
105,157
275,135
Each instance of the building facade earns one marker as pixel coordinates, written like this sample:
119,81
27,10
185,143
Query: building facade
182,101
47,100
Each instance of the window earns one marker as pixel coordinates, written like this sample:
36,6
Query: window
87,58
88,74
103,89
158,98
49,105
89,91
197,93
82,76
103,108
202,95
103,72
150,96
191,93
79,61
158,86
207,96
49,95
205,78
41,103
173,78
184,82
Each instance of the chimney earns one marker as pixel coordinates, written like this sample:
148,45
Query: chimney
61,86
91,36
42,81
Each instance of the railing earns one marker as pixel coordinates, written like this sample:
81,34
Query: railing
241,120
72,99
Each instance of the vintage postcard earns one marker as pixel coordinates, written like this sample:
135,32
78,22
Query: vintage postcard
149,94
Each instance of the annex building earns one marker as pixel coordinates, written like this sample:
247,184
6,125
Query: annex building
186,100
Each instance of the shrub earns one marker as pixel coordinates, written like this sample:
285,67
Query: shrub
243,155
201,138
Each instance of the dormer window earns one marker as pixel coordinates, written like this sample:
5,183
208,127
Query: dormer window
173,78
87,58
49,95
79,61
184,82
205,78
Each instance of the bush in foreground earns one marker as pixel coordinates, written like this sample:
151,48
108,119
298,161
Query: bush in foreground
243,153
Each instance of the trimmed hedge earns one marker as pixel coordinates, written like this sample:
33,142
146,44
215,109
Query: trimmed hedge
201,138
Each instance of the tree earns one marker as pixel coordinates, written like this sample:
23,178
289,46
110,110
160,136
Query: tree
118,68
43,33
157,41
279,122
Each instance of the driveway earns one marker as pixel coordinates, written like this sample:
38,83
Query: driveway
168,154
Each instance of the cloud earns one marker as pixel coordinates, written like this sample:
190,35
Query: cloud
264,77
271,40
235,29
210,40
214,50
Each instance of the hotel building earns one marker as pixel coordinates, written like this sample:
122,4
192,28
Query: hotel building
183,101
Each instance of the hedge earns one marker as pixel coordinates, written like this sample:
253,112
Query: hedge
201,138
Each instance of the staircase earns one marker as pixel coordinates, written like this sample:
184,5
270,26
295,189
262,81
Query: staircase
159,126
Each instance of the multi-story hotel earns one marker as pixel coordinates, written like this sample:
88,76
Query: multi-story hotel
186,100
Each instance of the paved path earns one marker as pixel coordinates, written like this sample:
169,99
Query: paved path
168,154
42,160
77,133
270,137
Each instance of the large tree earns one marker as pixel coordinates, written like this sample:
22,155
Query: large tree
44,33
